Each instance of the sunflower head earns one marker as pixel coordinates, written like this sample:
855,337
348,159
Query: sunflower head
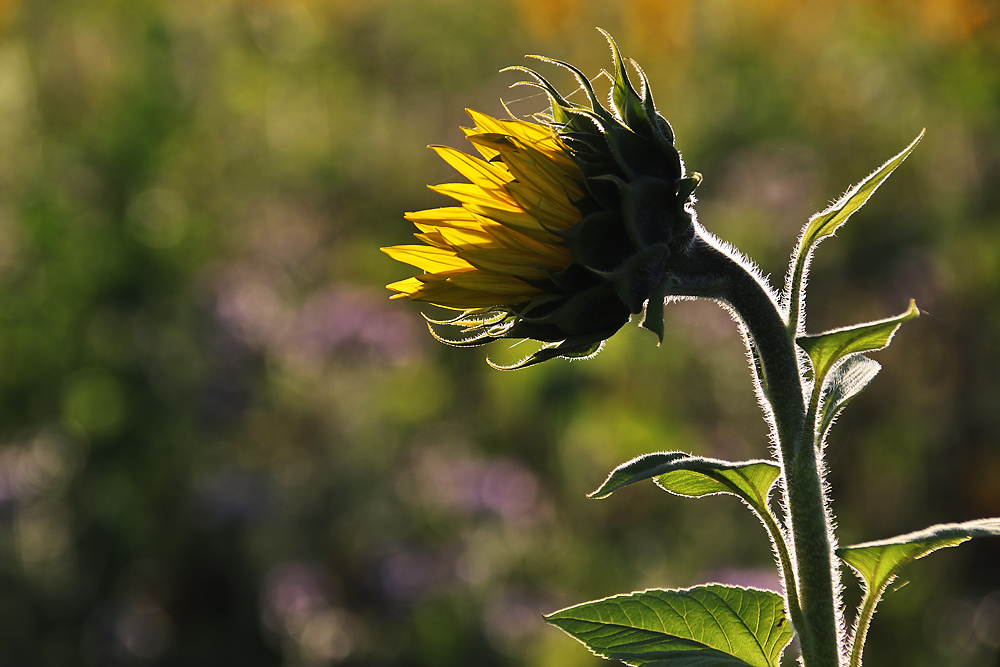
567,227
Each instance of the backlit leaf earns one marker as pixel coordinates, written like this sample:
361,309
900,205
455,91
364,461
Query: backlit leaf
826,223
704,626
826,349
696,476
878,563
845,382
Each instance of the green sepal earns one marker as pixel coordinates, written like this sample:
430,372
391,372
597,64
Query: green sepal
476,339
652,317
827,349
704,626
542,306
577,347
473,319
686,186
639,113
597,241
650,210
581,78
636,278
640,156
573,117
581,121
597,308
574,279
604,189
628,103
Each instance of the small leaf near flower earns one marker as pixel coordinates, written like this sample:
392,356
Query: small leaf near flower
826,349
695,476
825,224
846,381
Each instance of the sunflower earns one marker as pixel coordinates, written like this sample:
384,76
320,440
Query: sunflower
494,249
566,228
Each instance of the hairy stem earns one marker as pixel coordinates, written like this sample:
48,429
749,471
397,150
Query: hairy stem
708,271
864,620
785,562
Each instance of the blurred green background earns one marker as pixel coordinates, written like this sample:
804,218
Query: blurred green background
221,444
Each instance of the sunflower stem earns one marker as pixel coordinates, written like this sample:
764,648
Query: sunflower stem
708,271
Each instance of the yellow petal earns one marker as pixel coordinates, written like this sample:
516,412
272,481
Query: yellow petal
460,298
446,213
405,287
465,290
511,253
487,151
520,219
553,184
509,262
468,238
493,283
483,174
502,143
547,212
453,218
521,129
434,238
427,258
469,193
553,253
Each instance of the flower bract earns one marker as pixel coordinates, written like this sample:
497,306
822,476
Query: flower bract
566,227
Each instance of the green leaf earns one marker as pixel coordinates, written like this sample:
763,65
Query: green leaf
828,221
825,350
825,224
878,563
704,626
696,476
845,382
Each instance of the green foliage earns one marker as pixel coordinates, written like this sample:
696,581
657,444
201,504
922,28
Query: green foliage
622,627
848,379
827,349
695,627
696,476
878,563
827,222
